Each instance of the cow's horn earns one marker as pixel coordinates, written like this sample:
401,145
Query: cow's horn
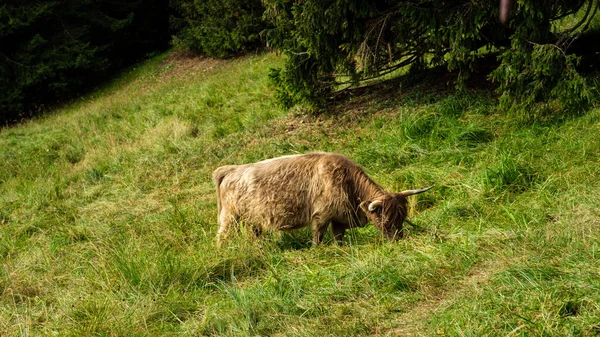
373,206
411,192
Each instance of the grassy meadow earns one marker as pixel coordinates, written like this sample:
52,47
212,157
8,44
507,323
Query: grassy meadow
108,214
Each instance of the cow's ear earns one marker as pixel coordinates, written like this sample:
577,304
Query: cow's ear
365,206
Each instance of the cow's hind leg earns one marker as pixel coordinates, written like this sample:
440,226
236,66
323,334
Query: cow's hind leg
226,221
257,231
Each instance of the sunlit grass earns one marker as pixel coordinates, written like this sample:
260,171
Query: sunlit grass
108,215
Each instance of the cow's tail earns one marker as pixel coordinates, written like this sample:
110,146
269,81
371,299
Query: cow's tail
218,176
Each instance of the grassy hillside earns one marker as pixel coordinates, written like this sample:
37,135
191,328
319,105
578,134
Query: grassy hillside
108,214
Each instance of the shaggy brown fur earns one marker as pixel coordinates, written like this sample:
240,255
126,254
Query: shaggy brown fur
313,190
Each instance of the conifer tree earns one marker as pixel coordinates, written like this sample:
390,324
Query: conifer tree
359,40
51,49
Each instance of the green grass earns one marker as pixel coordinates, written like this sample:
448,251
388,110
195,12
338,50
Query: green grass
108,215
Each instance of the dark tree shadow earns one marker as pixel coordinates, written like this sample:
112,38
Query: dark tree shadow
432,85
426,86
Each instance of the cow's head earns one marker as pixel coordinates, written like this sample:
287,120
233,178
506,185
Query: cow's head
387,213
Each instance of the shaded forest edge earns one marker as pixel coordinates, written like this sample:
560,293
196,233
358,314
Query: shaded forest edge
55,51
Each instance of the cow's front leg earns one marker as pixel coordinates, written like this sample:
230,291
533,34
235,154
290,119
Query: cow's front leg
338,230
318,231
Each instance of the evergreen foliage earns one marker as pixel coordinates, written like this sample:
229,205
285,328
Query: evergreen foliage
334,43
538,66
52,49
218,28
